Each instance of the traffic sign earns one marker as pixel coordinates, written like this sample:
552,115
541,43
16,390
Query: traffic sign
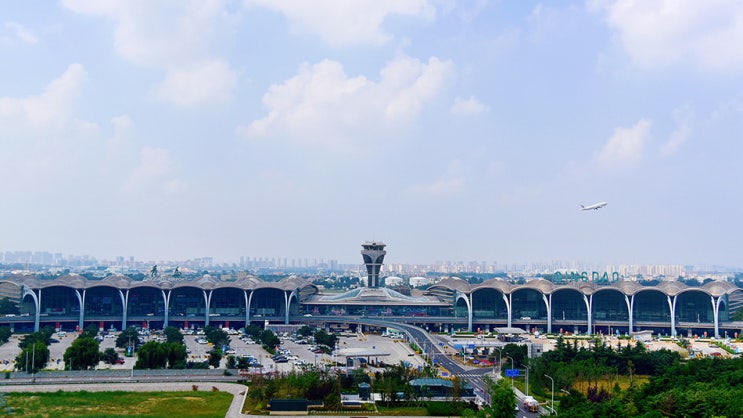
512,372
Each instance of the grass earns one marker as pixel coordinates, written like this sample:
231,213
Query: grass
606,383
403,410
118,404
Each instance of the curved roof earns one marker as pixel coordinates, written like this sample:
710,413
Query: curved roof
454,283
497,283
373,295
294,283
119,281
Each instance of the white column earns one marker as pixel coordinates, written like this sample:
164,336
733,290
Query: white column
548,303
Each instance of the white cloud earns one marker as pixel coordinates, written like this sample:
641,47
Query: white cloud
17,32
322,105
177,37
211,82
451,183
684,119
467,106
655,34
347,23
50,109
626,146
154,173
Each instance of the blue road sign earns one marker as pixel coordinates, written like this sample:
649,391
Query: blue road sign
512,372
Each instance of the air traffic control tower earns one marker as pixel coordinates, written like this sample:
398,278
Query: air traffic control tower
373,254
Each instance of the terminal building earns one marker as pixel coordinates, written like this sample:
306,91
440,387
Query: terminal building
626,307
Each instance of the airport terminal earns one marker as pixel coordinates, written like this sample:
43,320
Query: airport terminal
622,307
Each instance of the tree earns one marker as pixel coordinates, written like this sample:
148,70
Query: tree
216,336
7,306
322,337
83,354
231,362
173,335
42,337
109,356
269,339
32,357
305,331
215,355
254,331
89,332
176,355
5,334
127,337
151,355
503,400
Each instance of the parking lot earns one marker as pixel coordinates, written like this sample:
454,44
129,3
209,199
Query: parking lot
371,347
389,351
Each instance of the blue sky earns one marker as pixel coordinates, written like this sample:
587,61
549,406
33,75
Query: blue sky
449,130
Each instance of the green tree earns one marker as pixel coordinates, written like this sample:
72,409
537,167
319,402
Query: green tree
176,355
173,335
254,331
5,334
269,339
215,356
89,332
231,362
152,355
502,399
42,337
127,336
242,363
7,306
32,357
305,331
109,356
322,337
82,354
216,336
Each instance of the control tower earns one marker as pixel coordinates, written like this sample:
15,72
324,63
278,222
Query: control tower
373,253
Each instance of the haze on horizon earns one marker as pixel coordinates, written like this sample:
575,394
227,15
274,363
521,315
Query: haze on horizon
448,130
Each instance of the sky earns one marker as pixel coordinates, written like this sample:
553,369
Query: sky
449,130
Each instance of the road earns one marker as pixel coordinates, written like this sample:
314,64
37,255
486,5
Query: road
474,376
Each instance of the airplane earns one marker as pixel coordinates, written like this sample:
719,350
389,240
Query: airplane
595,206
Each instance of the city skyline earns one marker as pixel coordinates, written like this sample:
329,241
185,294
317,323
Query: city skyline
450,131
309,265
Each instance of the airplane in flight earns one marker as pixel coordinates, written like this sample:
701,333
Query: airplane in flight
595,206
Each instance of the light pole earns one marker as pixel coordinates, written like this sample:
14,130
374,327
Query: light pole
553,394
512,368
500,359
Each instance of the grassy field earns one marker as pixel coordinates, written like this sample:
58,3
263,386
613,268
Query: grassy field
404,410
116,404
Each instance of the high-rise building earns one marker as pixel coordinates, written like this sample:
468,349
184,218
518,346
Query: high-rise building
373,253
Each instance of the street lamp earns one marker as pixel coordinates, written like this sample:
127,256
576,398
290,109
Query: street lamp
500,358
553,393
512,368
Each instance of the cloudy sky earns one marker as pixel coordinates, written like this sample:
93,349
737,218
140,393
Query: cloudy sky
449,130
